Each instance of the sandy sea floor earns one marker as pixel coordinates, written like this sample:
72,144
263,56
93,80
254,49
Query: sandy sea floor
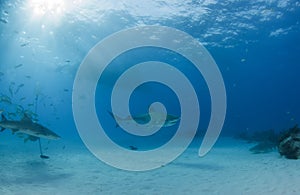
228,169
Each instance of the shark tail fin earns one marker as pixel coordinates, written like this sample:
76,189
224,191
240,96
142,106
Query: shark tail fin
111,114
3,117
115,116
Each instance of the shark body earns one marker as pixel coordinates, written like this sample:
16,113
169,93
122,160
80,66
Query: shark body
27,126
145,118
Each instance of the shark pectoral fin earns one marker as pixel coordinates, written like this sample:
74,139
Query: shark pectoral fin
14,131
31,138
2,129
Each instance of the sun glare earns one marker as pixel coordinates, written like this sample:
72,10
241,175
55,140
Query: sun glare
49,8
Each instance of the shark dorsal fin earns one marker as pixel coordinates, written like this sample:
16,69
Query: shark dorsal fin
26,118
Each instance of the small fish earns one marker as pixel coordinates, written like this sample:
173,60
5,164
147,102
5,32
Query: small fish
3,20
68,61
22,99
30,104
19,87
24,44
18,66
66,90
20,108
5,99
10,89
28,77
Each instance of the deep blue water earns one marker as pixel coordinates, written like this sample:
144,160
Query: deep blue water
256,45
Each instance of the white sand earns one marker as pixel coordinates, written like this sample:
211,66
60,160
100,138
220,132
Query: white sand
228,169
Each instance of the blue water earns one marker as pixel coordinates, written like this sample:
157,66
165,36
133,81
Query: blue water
254,43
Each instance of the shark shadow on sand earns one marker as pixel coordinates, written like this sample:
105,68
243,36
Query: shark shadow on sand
266,141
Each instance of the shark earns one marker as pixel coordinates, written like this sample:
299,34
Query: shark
28,127
171,120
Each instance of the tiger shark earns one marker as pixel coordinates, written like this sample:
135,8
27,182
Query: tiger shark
27,126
